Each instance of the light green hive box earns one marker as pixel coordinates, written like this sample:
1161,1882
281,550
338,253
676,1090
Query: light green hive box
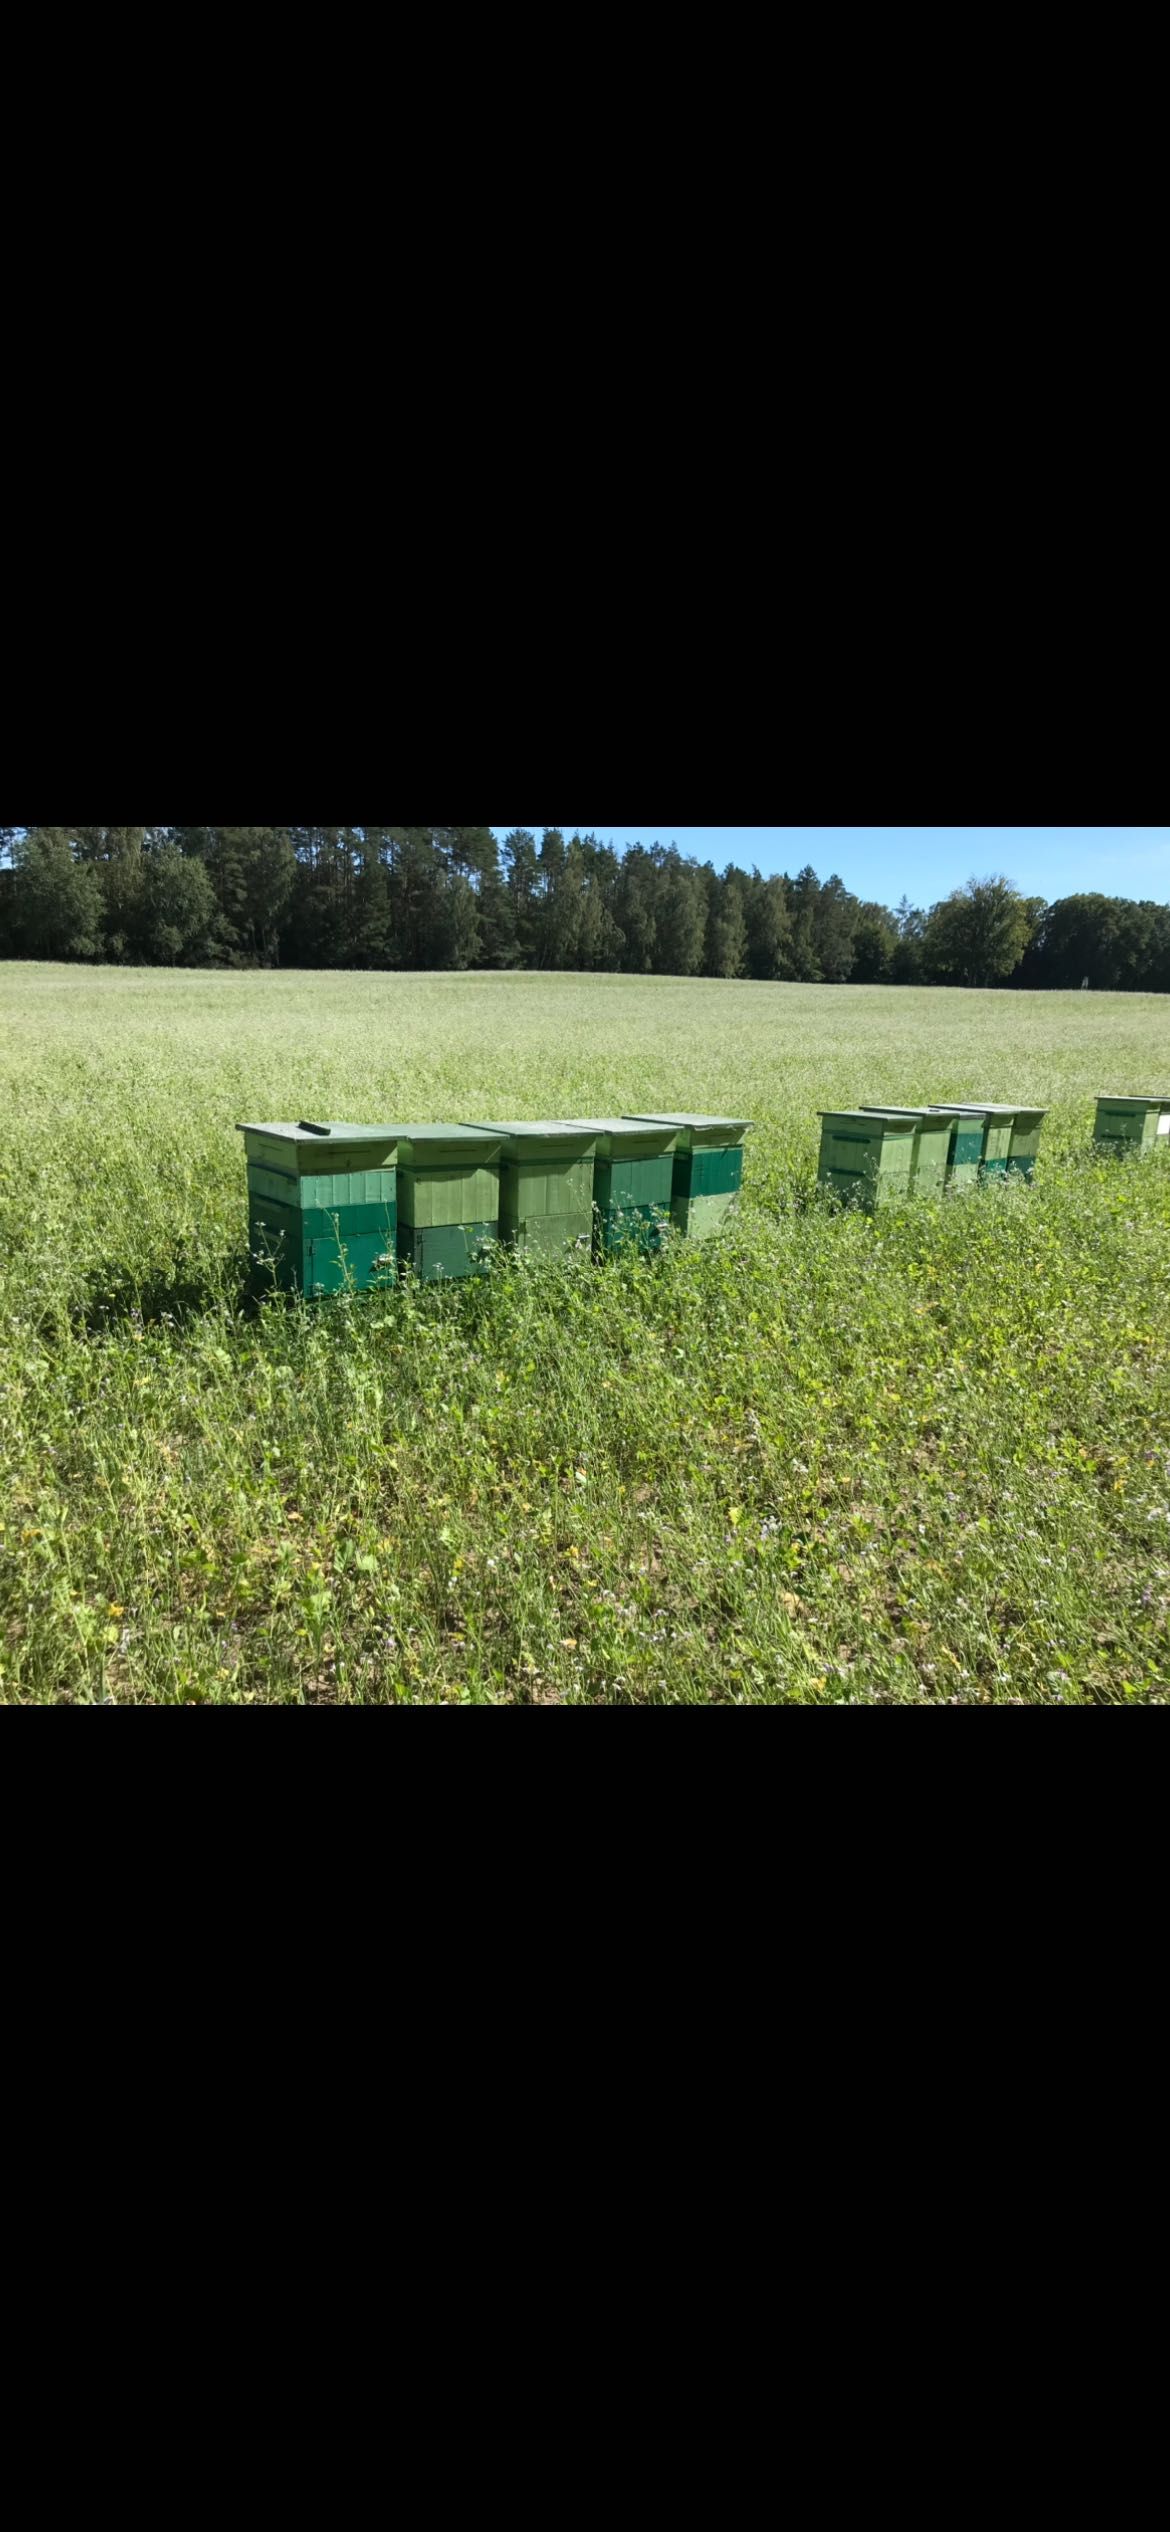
1130,1127
867,1155
448,1199
322,1206
930,1167
546,1184
708,1171
633,1180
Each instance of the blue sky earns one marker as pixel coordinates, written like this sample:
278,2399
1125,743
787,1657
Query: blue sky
924,862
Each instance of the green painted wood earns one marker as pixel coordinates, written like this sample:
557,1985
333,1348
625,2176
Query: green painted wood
1024,1126
339,1150
712,1172
965,1157
465,1147
1128,1127
627,1226
433,1199
351,1249
697,1134
1027,1128
533,1141
361,1262
351,1221
932,1156
635,1137
867,1155
275,1247
997,1144
932,1146
994,1128
704,1216
446,1252
321,1195
551,1232
632,1180
558,1188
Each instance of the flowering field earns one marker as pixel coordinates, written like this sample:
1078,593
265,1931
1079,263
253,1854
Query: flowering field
823,1460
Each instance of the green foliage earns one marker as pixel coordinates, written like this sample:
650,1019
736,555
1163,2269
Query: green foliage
1107,941
727,930
177,907
977,935
916,1459
446,897
57,900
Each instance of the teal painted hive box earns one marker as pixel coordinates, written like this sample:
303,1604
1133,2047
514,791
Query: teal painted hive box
633,1181
546,1185
708,1171
322,1206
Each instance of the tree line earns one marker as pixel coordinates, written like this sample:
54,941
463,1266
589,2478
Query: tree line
451,897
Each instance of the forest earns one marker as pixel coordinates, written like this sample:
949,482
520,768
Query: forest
452,897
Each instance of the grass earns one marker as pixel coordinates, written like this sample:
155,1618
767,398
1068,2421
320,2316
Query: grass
922,1459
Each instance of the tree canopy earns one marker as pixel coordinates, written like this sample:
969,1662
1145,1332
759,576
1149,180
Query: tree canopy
451,897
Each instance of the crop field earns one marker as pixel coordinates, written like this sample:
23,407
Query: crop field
923,1458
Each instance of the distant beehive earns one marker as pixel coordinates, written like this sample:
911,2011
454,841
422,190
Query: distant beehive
1130,1127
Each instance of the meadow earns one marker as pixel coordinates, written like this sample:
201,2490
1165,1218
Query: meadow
824,1460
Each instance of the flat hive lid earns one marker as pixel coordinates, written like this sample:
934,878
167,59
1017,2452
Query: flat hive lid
1000,1108
1134,1098
526,1130
872,1116
701,1125
419,1144
924,1114
317,1138
625,1129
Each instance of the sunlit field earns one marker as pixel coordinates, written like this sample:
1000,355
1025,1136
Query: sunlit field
824,1460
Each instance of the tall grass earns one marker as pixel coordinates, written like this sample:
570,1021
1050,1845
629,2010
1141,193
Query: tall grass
925,1458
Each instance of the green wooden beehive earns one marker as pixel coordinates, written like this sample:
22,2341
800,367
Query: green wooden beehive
867,1154
546,1185
633,1181
930,1166
322,1206
985,1135
708,1171
1024,1126
448,1199
1131,1127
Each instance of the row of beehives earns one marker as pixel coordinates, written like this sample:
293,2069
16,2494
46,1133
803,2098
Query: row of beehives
349,1207
872,1155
